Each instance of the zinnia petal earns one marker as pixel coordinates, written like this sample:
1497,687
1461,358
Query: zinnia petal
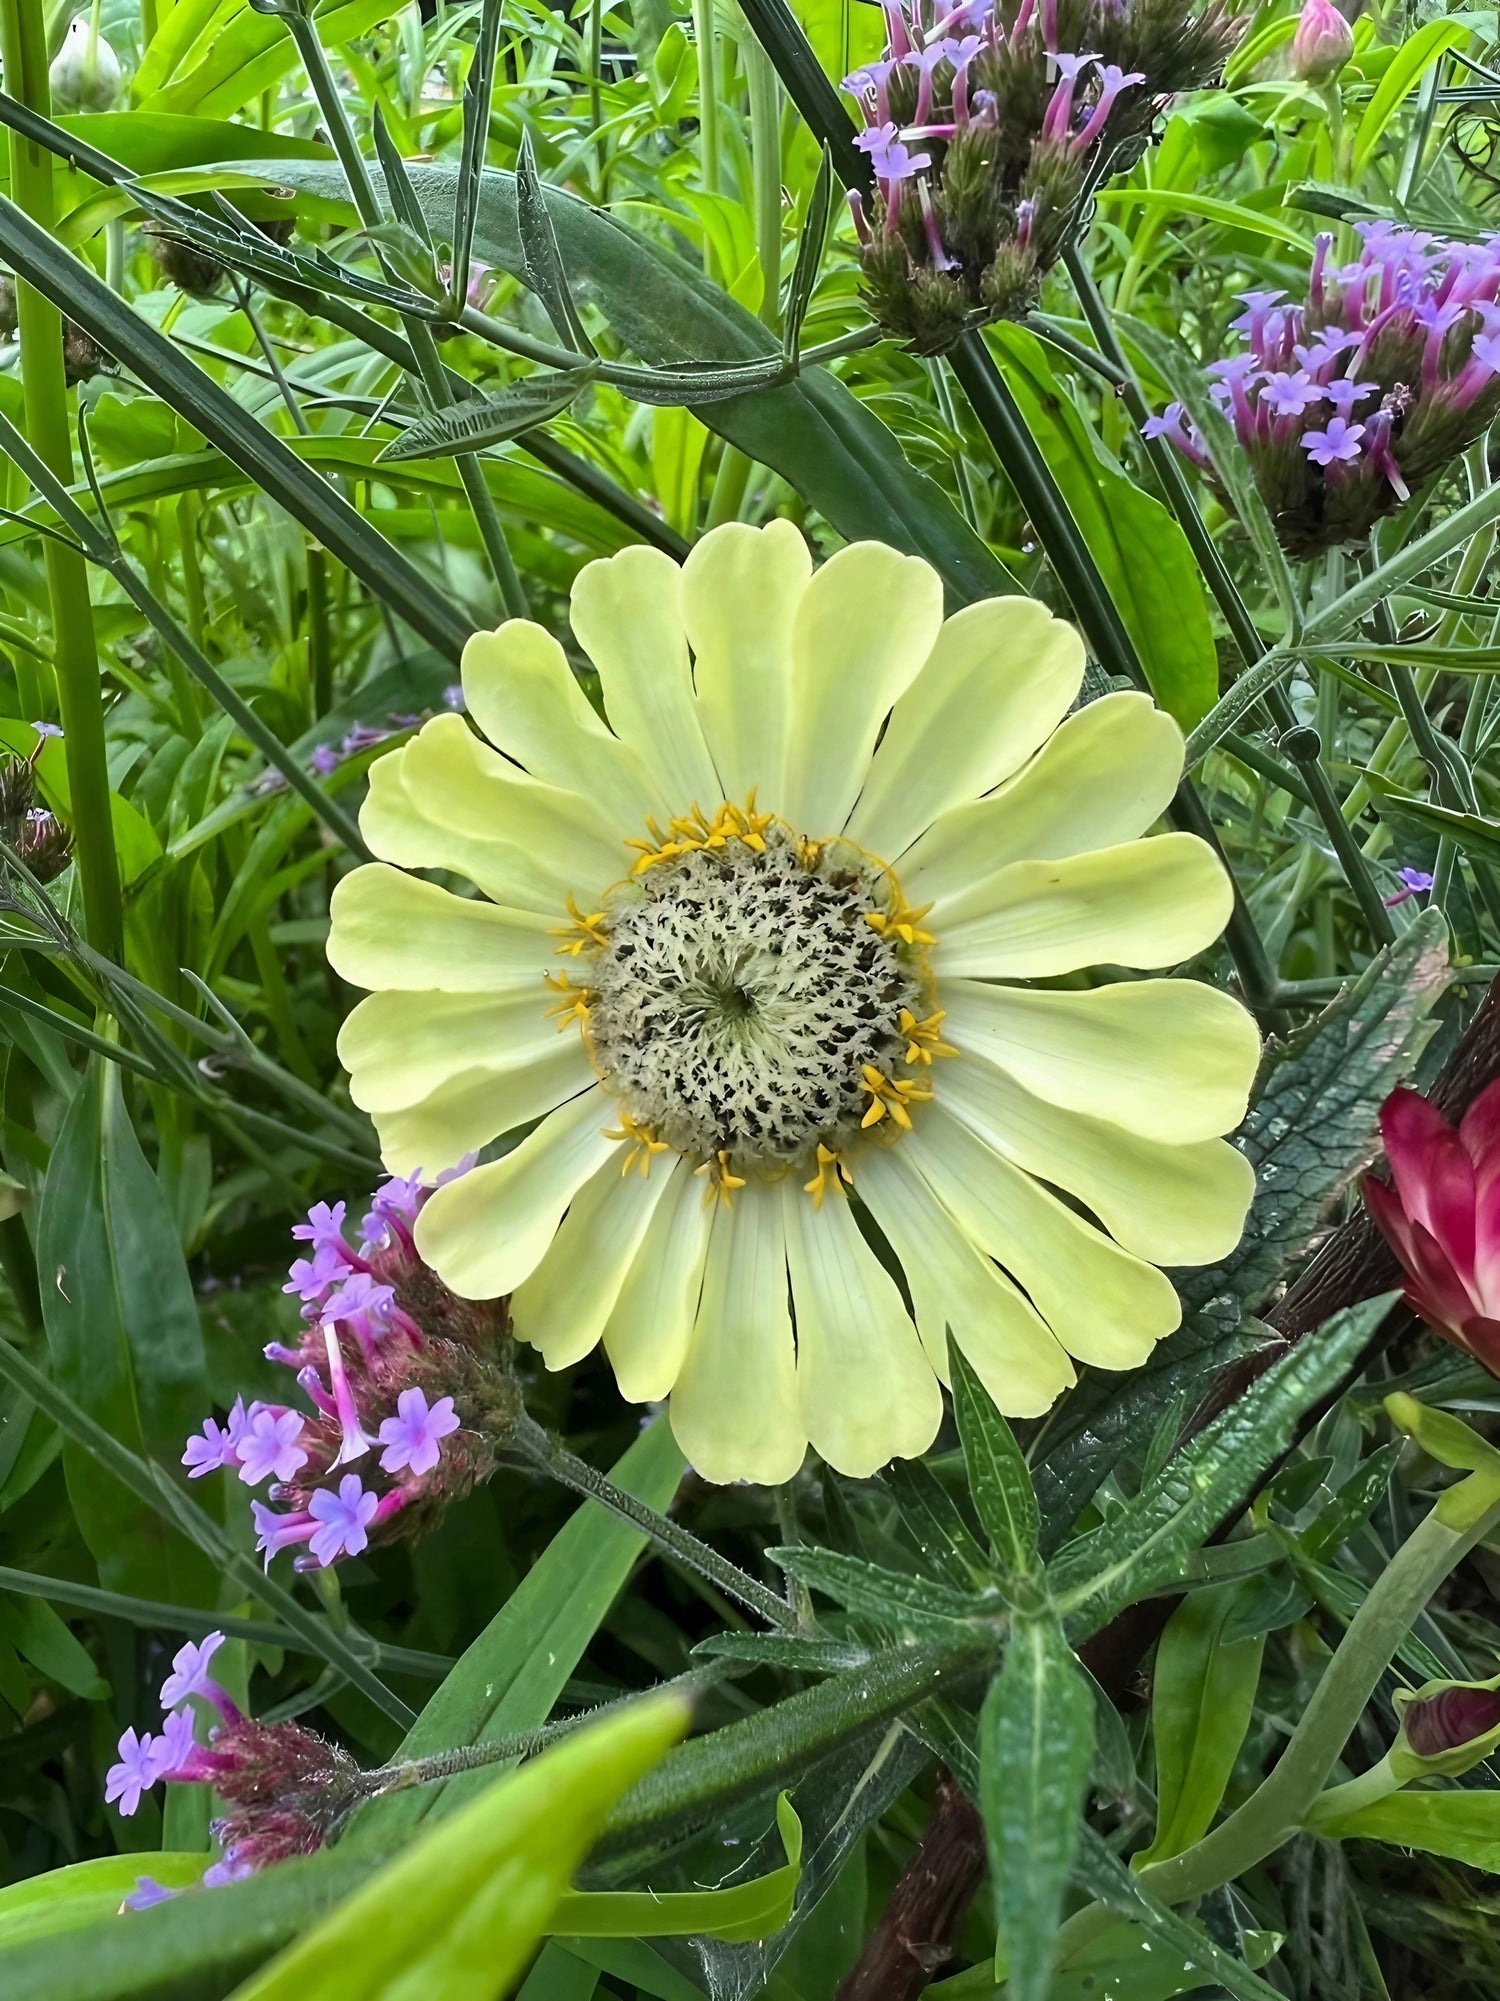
522,693
1171,1060
867,1391
393,930
1104,778
740,590
627,616
1149,903
865,624
489,1229
562,1308
734,1405
954,1285
647,1334
1000,677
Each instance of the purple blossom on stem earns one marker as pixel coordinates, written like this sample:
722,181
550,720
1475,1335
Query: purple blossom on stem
1413,881
1112,80
209,1449
175,1747
411,1438
1288,395
274,1533
323,1226
344,1519
189,1674
134,1773
1059,113
393,1209
888,156
269,1445
1337,444
354,1443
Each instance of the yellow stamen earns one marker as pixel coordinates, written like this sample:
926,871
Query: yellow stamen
721,1183
644,1145
574,1005
902,923
590,926
893,1096
832,1174
922,1038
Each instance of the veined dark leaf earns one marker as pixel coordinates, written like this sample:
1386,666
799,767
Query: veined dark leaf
998,1479
487,420
873,1592
941,1536
1036,1748
813,431
1140,1547
785,1651
123,1334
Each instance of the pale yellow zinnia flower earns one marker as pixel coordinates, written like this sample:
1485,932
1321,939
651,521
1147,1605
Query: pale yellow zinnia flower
763,957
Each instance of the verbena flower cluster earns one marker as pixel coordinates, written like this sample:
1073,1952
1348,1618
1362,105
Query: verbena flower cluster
285,1789
986,124
1347,403
408,1391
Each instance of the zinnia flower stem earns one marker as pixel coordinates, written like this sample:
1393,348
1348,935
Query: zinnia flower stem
1280,1804
550,1456
23,43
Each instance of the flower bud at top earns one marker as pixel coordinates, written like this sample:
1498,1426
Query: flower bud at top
1323,43
1447,1727
85,73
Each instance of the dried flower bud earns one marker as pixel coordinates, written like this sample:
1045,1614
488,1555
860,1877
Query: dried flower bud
10,318
83,357
85,73
1323,43
1447,1727
191,270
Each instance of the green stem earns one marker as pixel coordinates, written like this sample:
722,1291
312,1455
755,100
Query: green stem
23,52
1376,1784
550,1455
423,345
706,35
765,155
730,482
1281,1803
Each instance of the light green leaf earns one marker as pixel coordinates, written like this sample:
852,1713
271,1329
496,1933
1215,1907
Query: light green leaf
62,1899
1462,1824
1414,58
1036,1747
459,1912
1202,1699
1232,215
745,1911
1141,553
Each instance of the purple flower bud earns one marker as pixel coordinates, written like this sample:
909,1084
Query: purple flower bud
1323,43
189,1674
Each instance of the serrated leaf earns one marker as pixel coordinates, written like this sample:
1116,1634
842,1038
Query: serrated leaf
1140,1548
872,1592
1312,1127
941,1536
784,1651
544,271
998,1478
477,422
1036,1748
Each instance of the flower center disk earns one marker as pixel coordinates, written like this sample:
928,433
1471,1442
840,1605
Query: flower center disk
744,991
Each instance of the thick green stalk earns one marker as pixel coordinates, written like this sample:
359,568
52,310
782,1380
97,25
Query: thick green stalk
23,50
1280,1804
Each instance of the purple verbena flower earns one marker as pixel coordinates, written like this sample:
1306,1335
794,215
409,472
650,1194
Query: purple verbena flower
269,1445
344,1517
325,759
1288,395
136,1772
274,1533
147,1892
888,156
411,1438
1337,444
311,1277
189,1674
323,1226
210,1449
1413,881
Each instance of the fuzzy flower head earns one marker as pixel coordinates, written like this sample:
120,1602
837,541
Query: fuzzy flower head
1348,399
758,993
406,1396
1440,1214
985,127
283,1789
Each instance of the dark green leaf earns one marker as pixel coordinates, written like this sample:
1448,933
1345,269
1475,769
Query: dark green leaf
543,271
1141,1546
873,1592
1353,1504
939,1533
487,420
998,1479
1036,1748
123,1335
783,1650
1142,555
